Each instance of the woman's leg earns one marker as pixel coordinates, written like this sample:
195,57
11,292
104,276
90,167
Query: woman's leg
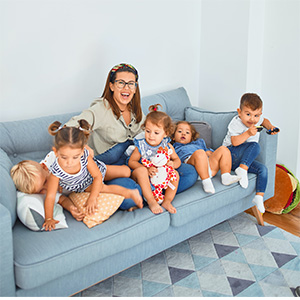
187,177
115,155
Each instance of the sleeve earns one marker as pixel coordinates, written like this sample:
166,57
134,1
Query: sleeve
201,143
94,115
48,160
236,127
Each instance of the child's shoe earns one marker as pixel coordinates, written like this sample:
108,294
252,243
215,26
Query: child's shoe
243,174
259,203
228,179
208,186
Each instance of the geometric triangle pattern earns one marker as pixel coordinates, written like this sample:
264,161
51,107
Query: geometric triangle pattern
236,258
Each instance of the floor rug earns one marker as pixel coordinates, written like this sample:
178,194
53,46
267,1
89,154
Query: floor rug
235,258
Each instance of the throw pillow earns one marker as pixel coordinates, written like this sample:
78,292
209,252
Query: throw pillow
204,129
218,131
107,205
30,210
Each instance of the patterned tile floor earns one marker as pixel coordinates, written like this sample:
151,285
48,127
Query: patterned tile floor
235,258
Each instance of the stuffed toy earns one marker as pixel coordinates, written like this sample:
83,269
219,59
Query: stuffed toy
165,174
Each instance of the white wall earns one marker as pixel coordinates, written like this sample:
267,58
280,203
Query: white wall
55,55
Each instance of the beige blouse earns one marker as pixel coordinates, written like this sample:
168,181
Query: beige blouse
107,130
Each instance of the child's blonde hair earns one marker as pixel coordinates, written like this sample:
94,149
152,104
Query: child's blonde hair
159,118
194,133
70,136
24,176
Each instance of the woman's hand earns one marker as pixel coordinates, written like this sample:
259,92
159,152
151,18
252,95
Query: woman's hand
50,224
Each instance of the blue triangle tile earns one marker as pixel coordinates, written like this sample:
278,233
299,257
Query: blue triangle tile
223,227
254,290
276,234
202,261
245,239
282,258
236,256
263,230
223,250
191,282
182,247
238,285
260,272
293,265
296,246
178,274
133,272
275,278
212,294
152,288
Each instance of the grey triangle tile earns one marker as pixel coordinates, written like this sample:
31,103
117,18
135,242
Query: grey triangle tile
178,274
223,250
281,258
238,285
263,230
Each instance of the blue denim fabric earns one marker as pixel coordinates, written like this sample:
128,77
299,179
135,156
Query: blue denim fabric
246,154
127,183
115,155
187,177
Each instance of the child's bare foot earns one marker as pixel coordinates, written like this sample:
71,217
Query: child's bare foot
169,207
76,213
136,197
155,208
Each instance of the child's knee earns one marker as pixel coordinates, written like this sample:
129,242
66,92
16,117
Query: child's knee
199,154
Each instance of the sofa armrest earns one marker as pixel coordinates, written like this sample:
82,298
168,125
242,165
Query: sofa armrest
267,156
7,278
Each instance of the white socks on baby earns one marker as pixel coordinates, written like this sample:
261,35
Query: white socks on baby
228,179
259,202
243,174
208,186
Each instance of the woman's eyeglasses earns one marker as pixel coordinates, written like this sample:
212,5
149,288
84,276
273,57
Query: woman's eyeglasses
121,84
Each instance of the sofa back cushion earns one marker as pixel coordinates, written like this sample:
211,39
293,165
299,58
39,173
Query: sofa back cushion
173,102
218,121
19,140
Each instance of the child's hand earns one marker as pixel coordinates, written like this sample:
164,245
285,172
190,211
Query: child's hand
208,153
90,205
252,130
76,213
152,171
50,224
170,163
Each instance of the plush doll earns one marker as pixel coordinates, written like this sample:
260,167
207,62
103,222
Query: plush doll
165,174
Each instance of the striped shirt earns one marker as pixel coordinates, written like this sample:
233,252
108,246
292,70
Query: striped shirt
80,181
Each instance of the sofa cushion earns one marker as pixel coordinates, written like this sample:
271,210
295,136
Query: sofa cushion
107,205
173,102
204,129
8,195
195,203
31,212
17,140
39,256
214,119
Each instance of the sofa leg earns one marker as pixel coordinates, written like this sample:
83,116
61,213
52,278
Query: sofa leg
258,215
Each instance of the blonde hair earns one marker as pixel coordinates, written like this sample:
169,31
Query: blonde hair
24,176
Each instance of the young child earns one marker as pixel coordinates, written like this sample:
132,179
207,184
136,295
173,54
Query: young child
192,150
76,171
158,126
31,177
242,141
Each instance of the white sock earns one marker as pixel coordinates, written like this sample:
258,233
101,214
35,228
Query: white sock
228,179
244,176
259,202
208,186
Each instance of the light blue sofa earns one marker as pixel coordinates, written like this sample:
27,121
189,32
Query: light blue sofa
66,261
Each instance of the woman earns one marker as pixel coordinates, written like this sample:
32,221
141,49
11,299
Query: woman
116,118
